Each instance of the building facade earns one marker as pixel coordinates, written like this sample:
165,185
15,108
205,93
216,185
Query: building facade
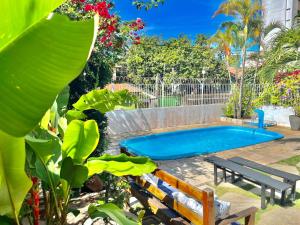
283,11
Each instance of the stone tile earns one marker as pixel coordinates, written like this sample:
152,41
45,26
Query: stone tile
281,216
239,201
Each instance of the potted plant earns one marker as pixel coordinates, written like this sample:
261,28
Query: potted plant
295,119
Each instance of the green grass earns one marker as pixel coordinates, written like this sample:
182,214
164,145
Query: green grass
293,161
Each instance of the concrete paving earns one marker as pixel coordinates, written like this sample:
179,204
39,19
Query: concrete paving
199,173
281,216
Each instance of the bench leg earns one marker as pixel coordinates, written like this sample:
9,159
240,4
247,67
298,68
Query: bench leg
272,198
293,194
216,175
282,200
263,197
250,220
232,177
224,176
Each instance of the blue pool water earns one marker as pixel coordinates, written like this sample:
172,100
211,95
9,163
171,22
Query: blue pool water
187,143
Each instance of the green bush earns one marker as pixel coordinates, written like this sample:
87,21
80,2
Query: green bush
230,110
284,93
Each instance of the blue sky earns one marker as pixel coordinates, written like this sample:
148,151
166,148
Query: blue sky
175,17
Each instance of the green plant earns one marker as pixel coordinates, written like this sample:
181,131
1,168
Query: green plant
173,58
282,55
30,88
230,109
297,110
247,13
63,164
60,155
52,51
284,93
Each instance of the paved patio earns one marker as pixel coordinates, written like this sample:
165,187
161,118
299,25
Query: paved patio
199,173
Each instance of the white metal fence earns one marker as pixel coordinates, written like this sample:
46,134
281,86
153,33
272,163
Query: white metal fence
151,94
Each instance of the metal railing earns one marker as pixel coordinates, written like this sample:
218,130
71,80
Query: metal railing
160,93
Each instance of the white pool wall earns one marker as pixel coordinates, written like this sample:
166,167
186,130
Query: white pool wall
127,121
278,114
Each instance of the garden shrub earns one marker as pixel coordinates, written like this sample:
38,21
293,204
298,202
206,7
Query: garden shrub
284,93
230,110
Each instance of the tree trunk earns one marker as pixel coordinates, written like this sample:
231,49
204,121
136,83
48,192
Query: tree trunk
244,55
228,70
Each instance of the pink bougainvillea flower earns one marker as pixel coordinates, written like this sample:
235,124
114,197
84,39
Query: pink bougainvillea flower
88,7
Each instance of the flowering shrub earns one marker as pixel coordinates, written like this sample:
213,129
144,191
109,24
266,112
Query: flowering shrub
286,92
111,27
281,76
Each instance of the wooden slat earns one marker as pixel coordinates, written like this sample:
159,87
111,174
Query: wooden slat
208,207
179,184
248,214
172,203
206,197
165,214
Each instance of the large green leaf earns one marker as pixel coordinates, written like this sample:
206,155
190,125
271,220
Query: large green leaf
80,140
44,145
75,175
6,221
62,101
48,172
48,56
14,183
120,165
75,115
104,100
18,15
112,211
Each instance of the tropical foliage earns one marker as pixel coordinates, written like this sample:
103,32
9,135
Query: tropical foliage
283,56
172,59
43,79
240,36
52,51
286,93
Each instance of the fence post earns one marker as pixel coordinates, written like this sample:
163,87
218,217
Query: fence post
163,93
202,93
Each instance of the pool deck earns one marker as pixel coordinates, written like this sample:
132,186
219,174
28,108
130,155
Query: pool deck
199,173
265,153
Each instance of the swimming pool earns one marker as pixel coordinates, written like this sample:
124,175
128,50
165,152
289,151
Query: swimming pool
187,143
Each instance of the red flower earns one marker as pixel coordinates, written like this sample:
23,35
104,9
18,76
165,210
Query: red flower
103,39
78,1
34,180
29,201
137,40
111,28
102,9
88,7
36,214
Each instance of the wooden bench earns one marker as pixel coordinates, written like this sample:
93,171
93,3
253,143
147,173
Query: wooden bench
172,212
288,178
264,181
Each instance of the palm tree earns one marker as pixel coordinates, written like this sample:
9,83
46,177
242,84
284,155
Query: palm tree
224,41
283,56
245,11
